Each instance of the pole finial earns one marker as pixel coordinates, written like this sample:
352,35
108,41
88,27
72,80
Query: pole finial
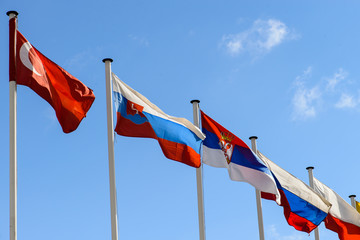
311,167
195,100
12,12
107,59
253,137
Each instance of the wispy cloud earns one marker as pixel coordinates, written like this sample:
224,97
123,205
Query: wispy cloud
140,40
305,75
334,92
83,59
305,100
333,81
274,234
260,38
346,101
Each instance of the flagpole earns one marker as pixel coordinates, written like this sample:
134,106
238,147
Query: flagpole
311,183
13,145
199,180
353,202
110,130
258,196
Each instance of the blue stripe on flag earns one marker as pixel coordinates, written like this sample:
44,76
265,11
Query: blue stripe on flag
174,132
211,140
245,157
304,209
163,128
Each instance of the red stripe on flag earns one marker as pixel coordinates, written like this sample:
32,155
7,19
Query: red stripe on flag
346,231
172,150
180,152
126,127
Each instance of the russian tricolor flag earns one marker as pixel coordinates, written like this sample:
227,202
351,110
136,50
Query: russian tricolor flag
179,139
304,209
223,149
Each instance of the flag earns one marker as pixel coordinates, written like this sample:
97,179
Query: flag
342,217
357,206
304,209
179,139
69,97
223,149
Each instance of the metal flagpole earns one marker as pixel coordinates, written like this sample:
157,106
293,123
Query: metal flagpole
311,182
199,180
110,125
353,202
258,196
12,145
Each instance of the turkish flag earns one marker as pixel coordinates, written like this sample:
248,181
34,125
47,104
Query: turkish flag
69,97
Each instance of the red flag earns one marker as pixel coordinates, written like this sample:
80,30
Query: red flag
69,97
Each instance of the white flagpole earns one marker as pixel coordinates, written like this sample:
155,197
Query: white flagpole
311,183
12,146
258,196
110,125
353,202
199,180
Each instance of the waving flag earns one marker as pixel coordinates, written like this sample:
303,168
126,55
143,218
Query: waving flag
223,149
304,209
179,139
342,218
69,97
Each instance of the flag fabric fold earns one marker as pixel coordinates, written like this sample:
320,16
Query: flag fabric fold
69,97
223,149
342,218
304,209
179,139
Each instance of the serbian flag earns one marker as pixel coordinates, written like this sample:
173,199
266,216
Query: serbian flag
304,209
69,97
223,149
342,218
179,139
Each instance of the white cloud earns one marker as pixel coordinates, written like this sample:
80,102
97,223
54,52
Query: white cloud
272,31
263,36
305,75
336,79
234,45
346,101
308,100
305,102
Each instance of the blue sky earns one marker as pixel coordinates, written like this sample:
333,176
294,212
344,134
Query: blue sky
285,71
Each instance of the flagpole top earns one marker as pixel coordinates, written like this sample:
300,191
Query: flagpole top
351,196
253,137
107,59
12,12
195,101
311,167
